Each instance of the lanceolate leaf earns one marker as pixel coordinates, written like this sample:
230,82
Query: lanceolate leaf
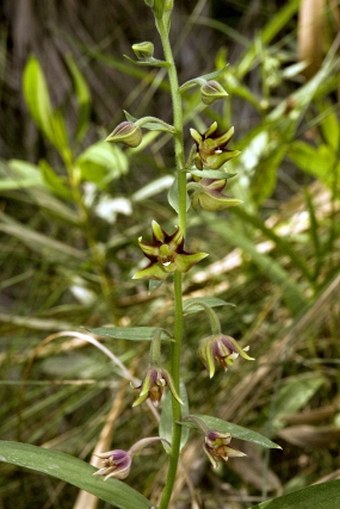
83,97
319,496
236,431
37,96
73,471
165,424
130,333
196,304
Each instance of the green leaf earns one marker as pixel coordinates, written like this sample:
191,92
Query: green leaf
83,97
294,395
45,246
165,424
54,181
155,62
264,179
130,333
320,161
37,96
292,294
195,305
330,125
50,122
236,431
102,162
200,80
73,471
173,198
150,123
19,174
319,496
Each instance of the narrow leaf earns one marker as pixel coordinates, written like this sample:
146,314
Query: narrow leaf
83,97
37,97
173,198
129,333
195,305
155,62
166,423
319,496
73,471
295,394
236,431
199,80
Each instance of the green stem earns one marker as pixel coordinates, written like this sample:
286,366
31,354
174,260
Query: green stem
178,125
176,407
178,300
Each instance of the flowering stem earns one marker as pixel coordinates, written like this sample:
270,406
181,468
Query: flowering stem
178,304
178,124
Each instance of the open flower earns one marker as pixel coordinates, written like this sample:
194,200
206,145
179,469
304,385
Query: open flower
216,447
221,349
166,254
208,195
117,464
153,385
211,147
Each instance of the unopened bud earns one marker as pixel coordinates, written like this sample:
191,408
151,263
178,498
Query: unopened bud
126,132
143,50
211,91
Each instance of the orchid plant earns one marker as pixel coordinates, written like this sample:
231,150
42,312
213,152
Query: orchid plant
199,182
202,175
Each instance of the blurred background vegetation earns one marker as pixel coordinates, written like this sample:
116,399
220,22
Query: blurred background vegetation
72,208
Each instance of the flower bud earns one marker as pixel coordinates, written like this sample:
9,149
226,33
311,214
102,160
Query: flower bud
126,132
143,50
208,196
211,91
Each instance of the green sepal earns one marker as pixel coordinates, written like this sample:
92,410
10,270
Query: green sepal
152,272
185,261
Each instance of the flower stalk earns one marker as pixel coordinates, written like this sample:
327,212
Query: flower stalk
178,299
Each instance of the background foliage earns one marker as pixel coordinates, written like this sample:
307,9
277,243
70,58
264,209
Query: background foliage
72,208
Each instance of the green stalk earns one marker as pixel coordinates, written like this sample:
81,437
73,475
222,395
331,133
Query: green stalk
178,124
178,300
